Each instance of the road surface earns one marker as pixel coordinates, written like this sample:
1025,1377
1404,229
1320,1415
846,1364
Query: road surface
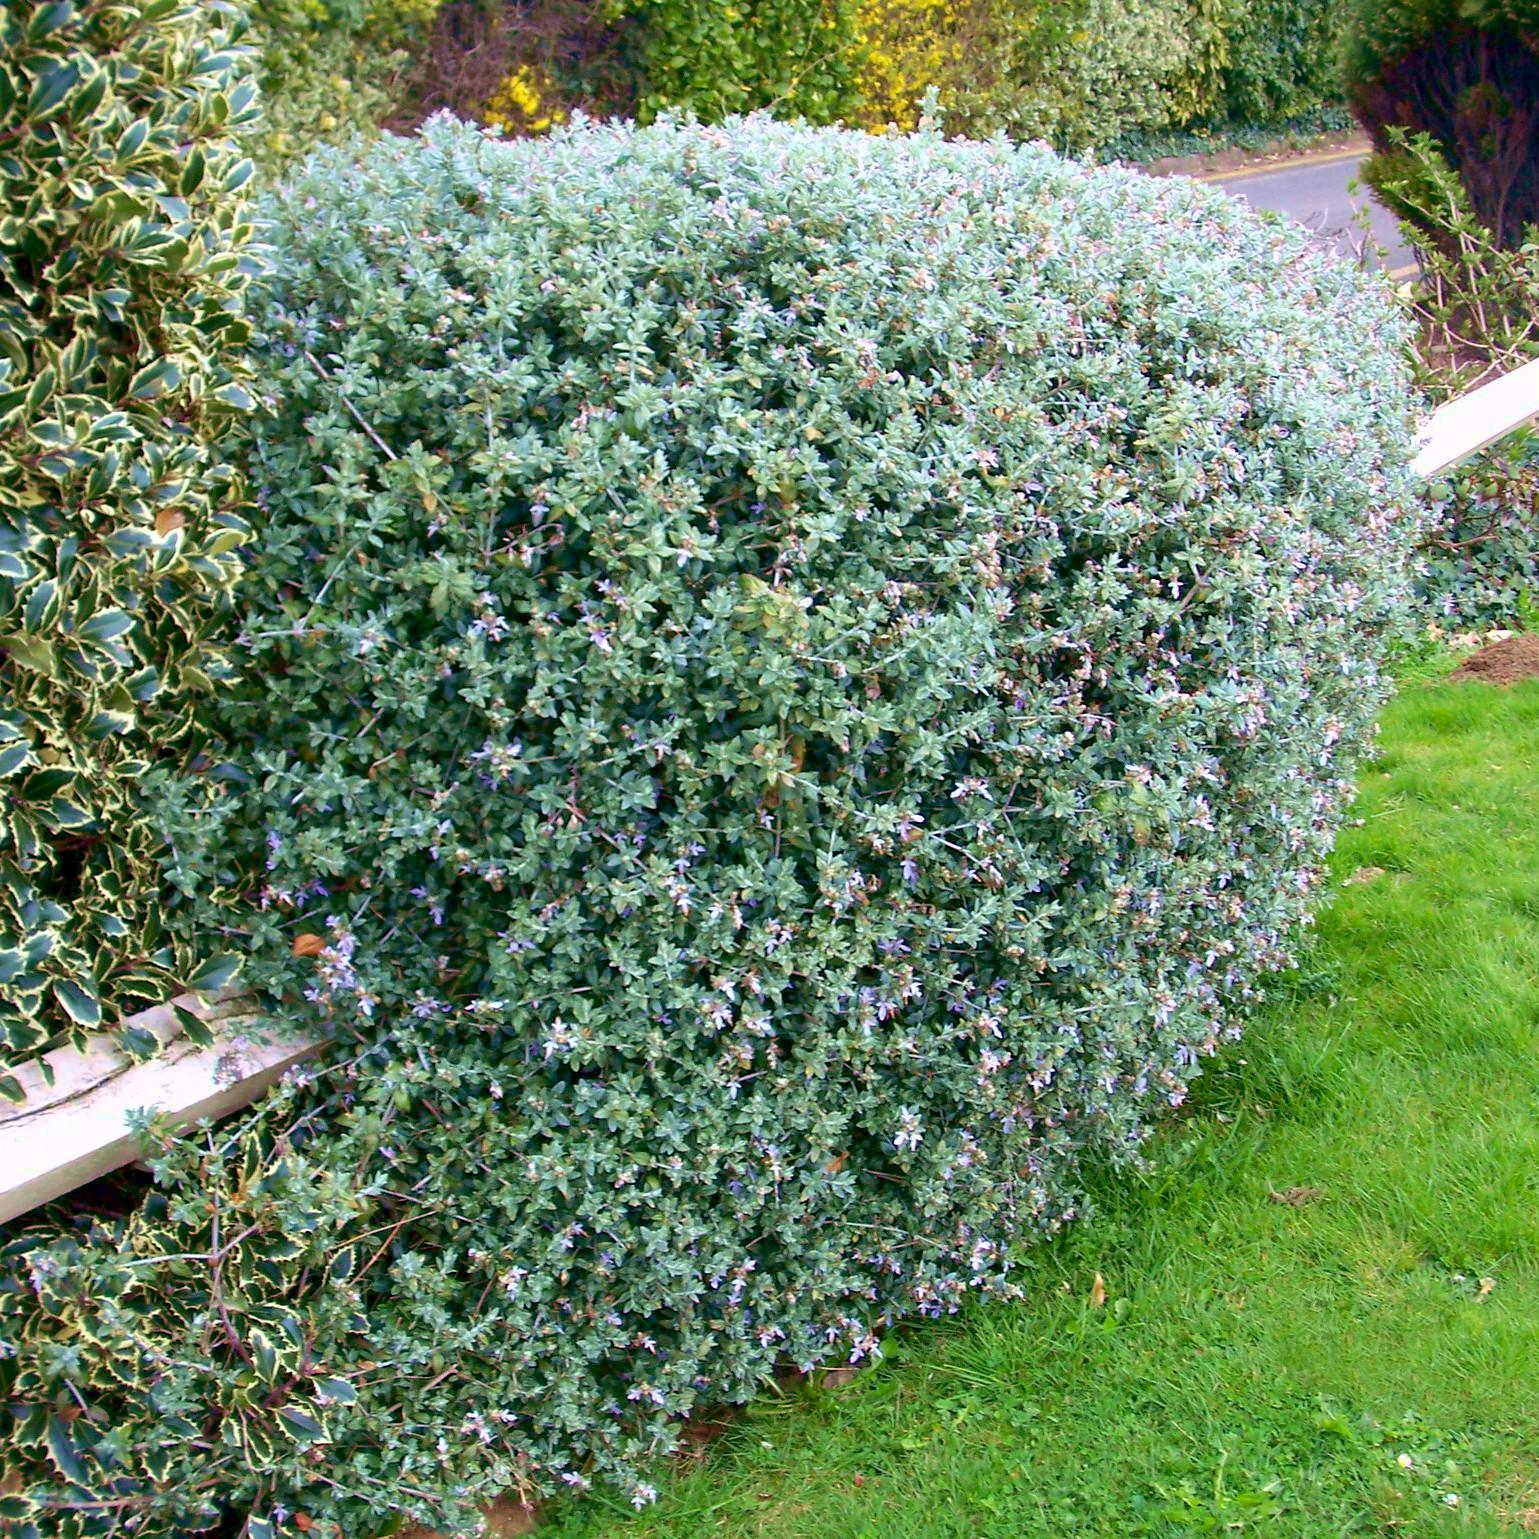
1314,191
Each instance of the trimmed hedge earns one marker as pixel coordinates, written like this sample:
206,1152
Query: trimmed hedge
1283,60
121,278
982,58
1131,71
796,57
795,685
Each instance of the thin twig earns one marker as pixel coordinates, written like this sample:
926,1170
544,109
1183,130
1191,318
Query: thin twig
358,417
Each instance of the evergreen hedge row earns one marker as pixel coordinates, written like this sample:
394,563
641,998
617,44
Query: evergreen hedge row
792,687
1082,74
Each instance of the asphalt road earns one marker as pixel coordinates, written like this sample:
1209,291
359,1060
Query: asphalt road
1314,191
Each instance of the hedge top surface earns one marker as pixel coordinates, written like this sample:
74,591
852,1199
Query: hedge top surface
794,683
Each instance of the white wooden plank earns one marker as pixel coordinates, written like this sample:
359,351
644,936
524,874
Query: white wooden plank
76,1129
1465,426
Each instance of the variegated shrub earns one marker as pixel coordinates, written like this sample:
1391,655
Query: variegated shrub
121,277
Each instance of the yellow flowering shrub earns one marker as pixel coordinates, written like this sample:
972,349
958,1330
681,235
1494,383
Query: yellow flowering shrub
983,58
906,47
525,103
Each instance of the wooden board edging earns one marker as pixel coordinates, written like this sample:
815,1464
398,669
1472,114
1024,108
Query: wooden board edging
77,1128
1475,421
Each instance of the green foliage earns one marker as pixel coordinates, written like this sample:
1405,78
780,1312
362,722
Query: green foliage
1379,34
796,683
1465,72
247,1272
1110,71
1083,74
1157,66
1480,553
1354,1355
334,68
1207,139
979,57
1196,88
121,278
1477,301
1119,68
795,57
1477,308
1283,59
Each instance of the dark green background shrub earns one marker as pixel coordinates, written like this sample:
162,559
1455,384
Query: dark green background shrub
1480,551
1121,67
334,68
795,683
1283,60
1467,73
121,276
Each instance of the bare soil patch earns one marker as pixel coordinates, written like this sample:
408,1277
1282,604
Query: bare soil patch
1505,662
505,1519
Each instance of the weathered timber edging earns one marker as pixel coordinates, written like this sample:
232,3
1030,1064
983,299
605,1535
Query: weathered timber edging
1475,421
77,1128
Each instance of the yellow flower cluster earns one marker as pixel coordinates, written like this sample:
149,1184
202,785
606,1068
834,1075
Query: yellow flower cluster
906,46
523,103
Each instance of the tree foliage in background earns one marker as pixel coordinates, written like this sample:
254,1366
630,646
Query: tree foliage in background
1128,72
1283,60
714,58
1465,72
1128,66
334,68
1449,90
795,684
1082,74
121,282
981,58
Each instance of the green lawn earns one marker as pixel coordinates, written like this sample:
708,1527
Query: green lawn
1360,1359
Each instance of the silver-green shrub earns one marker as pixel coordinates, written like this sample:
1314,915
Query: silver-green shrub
122,271
795,684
